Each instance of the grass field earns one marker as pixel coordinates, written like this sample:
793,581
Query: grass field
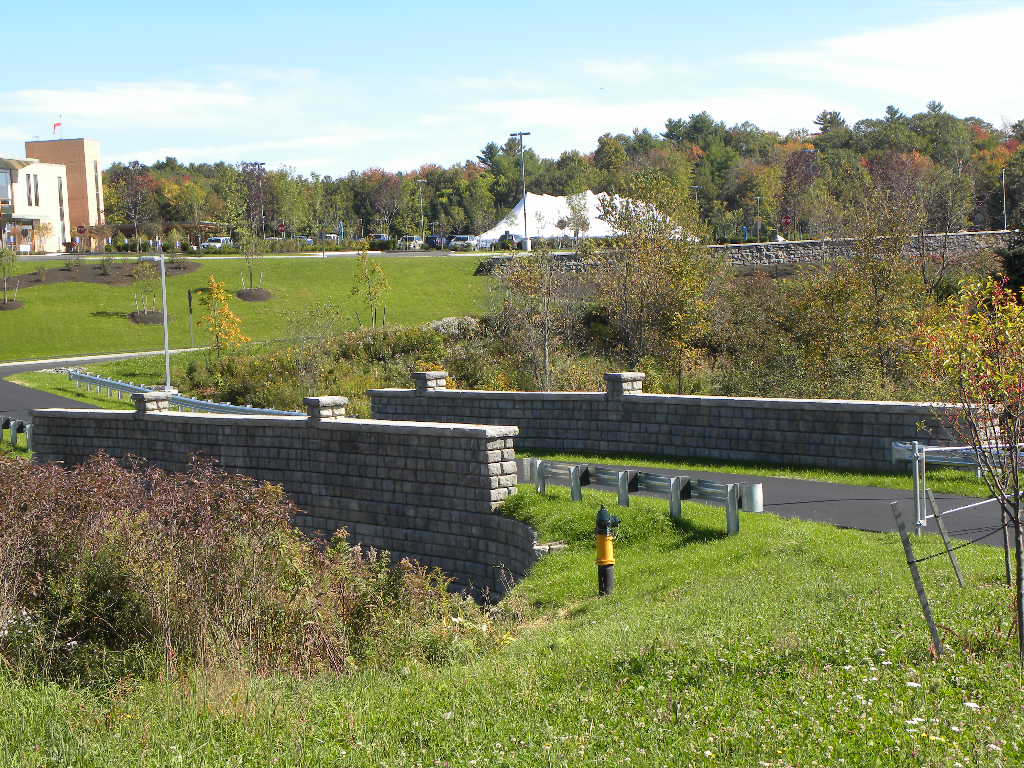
792,644
86,318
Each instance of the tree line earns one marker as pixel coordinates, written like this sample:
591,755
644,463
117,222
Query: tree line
747,183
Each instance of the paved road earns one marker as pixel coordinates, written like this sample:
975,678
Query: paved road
850,506
18,401
272,256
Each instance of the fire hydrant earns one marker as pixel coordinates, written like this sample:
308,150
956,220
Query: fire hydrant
607,527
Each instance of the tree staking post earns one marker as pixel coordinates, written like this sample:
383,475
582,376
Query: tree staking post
908,549
945,536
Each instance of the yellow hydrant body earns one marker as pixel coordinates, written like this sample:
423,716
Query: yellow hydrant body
605,550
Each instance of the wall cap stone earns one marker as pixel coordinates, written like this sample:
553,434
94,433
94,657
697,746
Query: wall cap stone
150,402
325,407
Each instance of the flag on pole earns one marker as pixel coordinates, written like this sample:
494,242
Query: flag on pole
58,124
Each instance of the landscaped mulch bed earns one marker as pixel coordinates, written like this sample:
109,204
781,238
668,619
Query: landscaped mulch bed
10,304
147,317
119,273
254,294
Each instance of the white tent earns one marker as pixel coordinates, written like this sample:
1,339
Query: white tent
544,212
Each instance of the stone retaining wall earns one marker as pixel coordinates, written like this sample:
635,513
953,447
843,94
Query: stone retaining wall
427,491
838,434
811,251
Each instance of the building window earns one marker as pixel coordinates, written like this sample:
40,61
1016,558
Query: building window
5,187
37,190
60,202
28,188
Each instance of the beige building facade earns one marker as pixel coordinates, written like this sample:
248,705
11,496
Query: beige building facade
35,214
52,196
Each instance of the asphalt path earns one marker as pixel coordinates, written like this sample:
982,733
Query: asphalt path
211,255
18,401
848,506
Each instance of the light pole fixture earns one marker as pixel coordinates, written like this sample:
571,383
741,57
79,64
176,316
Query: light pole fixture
423,235
695,187
1002,176
522,169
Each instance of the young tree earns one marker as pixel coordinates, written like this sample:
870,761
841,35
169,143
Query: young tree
223,324
8,260
974,351
539,306
658,281
372,285
132,200
322,209
43,230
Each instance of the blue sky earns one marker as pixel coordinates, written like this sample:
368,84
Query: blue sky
333,87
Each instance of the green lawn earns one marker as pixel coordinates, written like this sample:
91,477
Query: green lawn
792,644
944,480
63,319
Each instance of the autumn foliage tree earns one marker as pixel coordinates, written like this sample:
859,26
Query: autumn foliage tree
974,351
223,324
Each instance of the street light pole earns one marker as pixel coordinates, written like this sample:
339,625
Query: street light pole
757,219
695,187
522,168
423,235
1003,181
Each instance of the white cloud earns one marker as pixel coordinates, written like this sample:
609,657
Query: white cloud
632,71
969,62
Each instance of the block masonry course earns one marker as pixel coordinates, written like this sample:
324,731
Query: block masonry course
797,252
426,491
838,434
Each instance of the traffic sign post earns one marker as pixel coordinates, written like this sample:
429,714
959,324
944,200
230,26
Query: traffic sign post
281,228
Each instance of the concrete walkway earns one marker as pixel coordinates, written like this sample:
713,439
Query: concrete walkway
846,506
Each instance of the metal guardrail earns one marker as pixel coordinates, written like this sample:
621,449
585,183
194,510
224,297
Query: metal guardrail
181,402
676,488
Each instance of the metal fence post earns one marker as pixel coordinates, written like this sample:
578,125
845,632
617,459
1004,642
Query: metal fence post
732,514
753,498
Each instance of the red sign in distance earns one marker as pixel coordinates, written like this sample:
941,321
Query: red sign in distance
81,229
280,228
787,220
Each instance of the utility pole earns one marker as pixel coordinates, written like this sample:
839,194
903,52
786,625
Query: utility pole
522,168
695,187
757,220
423,235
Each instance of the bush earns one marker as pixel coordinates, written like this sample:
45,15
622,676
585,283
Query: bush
109,570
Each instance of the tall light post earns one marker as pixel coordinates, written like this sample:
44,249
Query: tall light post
695,187
757,219
522,169
163,291
423,235
1002,176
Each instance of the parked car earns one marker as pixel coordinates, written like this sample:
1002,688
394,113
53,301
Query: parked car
510,242
464,243
216,243
436,242
378,239
409,243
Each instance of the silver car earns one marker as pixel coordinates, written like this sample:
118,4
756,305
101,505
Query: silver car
464,243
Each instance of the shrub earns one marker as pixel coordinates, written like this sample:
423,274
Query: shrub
109,570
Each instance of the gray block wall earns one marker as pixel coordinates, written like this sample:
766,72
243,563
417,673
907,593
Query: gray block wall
812,251
426,491
839,434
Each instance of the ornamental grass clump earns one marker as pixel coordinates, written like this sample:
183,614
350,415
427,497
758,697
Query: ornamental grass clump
110,570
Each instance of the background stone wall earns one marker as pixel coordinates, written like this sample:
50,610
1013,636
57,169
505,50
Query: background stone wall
812,251
826,433
427,491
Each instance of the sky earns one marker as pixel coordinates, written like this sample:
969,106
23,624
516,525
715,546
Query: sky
333,87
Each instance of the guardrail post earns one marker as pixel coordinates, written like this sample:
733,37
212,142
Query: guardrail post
150,402
28,436
575,487
429,381
732,513
15,426
624,489
325,407
675,498
752,499
540,477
